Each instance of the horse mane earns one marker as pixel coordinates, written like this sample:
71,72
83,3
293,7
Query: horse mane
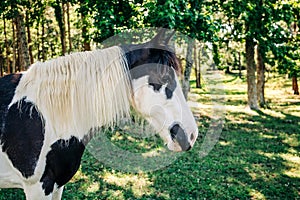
79,91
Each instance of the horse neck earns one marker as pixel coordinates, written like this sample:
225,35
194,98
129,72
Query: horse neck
80,91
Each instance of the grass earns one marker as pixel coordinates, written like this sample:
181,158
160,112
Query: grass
256,157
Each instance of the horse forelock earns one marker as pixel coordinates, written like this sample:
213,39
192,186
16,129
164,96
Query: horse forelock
140,54
80,91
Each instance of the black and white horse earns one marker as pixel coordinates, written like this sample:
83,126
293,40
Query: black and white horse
48,112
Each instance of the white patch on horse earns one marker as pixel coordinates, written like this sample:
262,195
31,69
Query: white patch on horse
163,112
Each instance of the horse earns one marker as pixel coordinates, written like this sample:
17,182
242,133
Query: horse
49,112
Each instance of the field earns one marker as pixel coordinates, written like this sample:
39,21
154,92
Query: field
257,155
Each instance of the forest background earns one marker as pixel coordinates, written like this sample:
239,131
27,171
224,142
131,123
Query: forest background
259,36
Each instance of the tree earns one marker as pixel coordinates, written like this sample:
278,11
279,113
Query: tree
287,52
251,84
23,53
69,27
260,23
111,17
84,11
188,17
58,6
188,68
197,60
260,68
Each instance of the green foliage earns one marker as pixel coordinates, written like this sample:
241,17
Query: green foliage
191,17
268,23
111,17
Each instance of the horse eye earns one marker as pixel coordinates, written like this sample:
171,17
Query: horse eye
155,86
165,79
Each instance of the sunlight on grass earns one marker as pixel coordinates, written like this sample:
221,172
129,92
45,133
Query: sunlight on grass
78,176
273,113
256,195
293,162
223,143
93,187
139,184
115,195
292,140
263,135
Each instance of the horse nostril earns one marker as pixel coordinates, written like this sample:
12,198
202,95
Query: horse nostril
189,148
192,137
174,131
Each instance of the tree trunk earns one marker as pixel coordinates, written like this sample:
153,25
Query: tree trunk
197,66
251,84
39,39
240,65
24,61
69,27
7,50
44,54
188,68
13,65
1,62
295,85
29,40
59,15
63,30
260,69
84,31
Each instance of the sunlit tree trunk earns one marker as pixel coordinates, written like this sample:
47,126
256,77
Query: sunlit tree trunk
188,68
260,69
251,83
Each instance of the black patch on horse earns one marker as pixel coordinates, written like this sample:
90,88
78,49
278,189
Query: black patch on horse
178,134
62,162
8,86
22,136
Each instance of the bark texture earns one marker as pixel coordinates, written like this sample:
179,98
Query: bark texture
251,82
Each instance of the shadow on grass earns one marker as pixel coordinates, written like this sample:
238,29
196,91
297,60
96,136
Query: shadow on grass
250,161
255,159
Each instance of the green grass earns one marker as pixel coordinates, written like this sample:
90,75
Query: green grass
256,157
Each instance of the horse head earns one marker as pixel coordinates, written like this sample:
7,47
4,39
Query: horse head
157,94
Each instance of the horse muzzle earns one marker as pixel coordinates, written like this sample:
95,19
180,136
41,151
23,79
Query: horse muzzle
179,136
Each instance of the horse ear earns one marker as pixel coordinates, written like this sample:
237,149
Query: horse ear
162,37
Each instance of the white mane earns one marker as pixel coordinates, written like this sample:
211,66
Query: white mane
80,91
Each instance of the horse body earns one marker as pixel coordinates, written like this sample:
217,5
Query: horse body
45,119
48,112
